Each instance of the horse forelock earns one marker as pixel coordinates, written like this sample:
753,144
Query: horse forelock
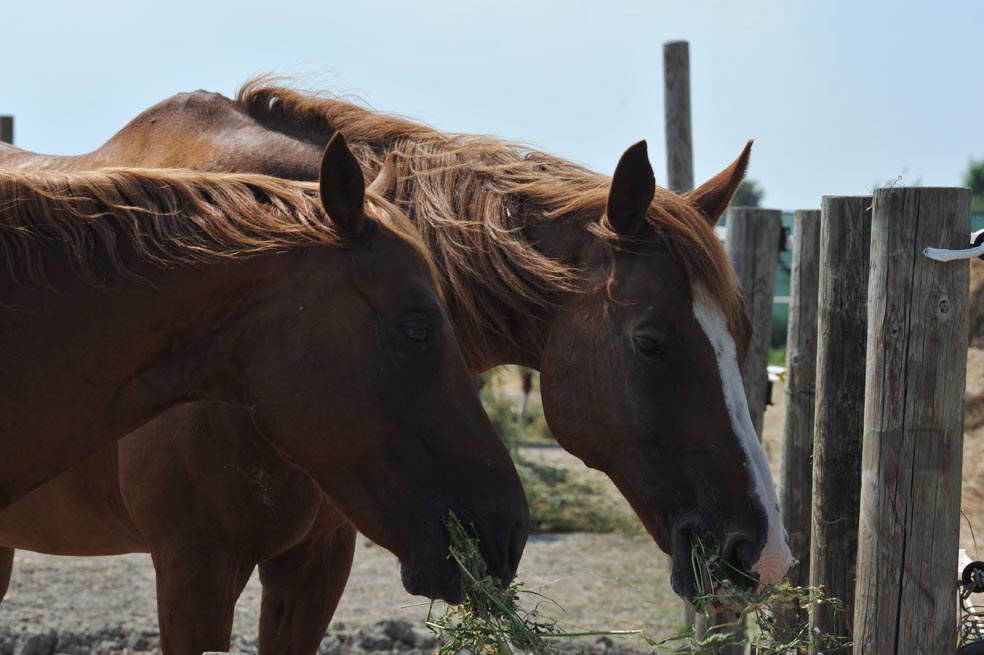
692,240
165,218
472,197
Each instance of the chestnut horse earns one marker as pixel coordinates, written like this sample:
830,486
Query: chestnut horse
127,292
616,290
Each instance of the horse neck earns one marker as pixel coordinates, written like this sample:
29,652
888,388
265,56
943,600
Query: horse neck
110,358
14,157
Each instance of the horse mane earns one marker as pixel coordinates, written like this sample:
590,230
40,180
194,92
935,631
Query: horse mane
471,197
165,218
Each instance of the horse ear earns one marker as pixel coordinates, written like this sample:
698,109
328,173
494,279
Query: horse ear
342,185
632,191
713,197
385,183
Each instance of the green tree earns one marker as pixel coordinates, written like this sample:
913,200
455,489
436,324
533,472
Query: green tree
749,194
974,178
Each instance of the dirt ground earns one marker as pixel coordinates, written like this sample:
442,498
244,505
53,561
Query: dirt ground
597,581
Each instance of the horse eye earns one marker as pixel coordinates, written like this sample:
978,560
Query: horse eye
416,333
650,347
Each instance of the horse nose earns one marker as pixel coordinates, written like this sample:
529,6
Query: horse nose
503,552
501,540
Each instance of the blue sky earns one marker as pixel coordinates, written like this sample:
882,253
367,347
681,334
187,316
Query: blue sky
838,95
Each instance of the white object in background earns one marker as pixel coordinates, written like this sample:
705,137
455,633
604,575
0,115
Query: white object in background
962,561
948,255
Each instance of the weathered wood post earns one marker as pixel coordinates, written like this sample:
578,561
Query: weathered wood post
676,86
679,147
752,242
913,424
842,327
7,129
796,466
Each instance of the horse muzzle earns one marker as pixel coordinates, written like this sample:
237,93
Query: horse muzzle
437,580
431,571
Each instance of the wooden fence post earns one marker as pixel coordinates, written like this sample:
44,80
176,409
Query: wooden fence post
752,242
913,424
7,129
796,466
676,100
679,148
842,327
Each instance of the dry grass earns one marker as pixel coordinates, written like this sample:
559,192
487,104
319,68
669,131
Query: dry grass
491,621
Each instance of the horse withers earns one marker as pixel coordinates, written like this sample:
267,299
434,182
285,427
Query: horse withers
127,292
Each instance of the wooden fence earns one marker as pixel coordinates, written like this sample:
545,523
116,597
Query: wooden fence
887,437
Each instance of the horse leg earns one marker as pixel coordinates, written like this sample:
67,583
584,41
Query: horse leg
197,591
302,586
6,566
211,499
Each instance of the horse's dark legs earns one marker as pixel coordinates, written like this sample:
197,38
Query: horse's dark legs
6,566
196,597
302,586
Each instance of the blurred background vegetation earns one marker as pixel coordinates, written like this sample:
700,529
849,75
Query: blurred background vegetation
974,178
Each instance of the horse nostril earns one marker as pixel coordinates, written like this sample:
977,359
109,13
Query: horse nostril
741,551
748,554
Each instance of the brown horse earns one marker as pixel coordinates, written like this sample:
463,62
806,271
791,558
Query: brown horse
127,292
615,289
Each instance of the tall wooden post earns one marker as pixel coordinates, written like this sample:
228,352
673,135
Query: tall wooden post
796,464
676,86
913,424
679,147
7,129
842,326
752,242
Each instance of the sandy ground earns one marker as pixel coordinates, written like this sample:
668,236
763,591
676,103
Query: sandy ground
596,581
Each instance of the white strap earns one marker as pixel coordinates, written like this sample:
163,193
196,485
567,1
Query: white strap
947,255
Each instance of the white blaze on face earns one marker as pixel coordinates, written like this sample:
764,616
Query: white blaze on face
775,558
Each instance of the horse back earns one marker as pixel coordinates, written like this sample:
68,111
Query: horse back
198,130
